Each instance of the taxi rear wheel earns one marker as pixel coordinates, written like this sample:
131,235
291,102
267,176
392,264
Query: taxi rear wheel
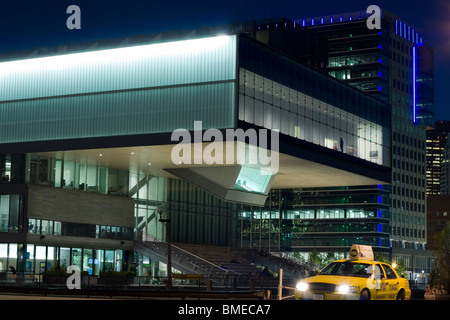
401,295
365,295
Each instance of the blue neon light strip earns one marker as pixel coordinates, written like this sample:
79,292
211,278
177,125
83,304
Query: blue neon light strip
407,32
414,83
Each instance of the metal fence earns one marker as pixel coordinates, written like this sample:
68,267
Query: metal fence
179,281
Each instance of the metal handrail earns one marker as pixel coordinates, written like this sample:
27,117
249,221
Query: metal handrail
154,239
187,259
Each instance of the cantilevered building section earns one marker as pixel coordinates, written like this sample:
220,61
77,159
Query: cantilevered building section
137,96
97,126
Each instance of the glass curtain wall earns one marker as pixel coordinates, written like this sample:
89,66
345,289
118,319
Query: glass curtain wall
261,227
11,213
38,259
149,192
12,168
269,104
299,220
279,93
89,177
82,176
199,217
8,256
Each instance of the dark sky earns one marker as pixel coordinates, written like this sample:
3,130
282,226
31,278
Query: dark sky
38,23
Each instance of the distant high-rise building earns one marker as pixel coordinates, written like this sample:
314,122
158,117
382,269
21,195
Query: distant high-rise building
438,212
445,171
436,155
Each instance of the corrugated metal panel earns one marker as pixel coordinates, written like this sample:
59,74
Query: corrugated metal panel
153,65
119,113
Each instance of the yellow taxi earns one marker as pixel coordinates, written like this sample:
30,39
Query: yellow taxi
358,278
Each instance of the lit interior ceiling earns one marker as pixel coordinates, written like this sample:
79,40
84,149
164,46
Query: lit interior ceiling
293,172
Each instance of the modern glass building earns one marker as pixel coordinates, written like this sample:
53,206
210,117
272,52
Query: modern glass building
394,65
90,145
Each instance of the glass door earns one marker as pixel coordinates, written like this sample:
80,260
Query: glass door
88,261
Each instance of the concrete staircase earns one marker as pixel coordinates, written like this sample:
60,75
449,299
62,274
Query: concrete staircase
223,265
224,257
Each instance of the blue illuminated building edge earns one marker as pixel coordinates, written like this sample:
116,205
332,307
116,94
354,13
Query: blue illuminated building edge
407,32
403,30
414,84
414,81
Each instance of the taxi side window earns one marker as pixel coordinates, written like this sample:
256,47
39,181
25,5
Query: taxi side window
390,274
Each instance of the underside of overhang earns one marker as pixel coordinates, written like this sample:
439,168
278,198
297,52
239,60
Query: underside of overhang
206,167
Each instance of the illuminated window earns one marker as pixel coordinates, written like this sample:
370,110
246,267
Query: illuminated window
251,180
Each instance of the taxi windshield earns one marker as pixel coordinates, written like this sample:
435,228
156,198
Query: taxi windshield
348,268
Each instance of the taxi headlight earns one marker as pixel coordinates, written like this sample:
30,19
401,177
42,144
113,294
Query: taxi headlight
302,286
346,289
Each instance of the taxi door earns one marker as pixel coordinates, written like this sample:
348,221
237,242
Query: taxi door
392,282
380,283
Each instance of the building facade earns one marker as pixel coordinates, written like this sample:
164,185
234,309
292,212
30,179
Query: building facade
445,171
87,144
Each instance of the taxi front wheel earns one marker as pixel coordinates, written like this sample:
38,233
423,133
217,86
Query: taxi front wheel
365,295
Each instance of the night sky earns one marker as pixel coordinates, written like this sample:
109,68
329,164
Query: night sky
31,24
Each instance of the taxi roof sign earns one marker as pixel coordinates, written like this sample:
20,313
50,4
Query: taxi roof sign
360,252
